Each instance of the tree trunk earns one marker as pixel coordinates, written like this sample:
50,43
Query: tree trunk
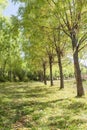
10,75
51,74
44,73
4,65
14,76
60,71
80,90
40,76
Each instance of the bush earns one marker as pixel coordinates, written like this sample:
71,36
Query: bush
2,79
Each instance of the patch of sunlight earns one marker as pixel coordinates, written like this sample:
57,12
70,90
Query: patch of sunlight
83,117
83,126
6,99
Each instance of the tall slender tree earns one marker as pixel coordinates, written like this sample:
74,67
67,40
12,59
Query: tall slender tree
71,15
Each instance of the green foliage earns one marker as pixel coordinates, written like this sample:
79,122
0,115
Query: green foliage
37,33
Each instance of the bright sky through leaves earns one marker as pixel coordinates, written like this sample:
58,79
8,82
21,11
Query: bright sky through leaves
11,9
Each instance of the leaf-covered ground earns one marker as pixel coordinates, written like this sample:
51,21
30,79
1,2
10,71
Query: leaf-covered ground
33,106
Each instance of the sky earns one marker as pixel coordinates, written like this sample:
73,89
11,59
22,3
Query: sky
11,9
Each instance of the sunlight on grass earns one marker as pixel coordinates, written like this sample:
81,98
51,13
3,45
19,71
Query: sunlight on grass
33,106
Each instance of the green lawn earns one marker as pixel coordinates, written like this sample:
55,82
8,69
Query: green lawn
33,106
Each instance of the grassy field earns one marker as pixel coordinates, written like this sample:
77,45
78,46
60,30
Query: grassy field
33,106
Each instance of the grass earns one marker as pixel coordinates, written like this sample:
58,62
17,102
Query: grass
33,106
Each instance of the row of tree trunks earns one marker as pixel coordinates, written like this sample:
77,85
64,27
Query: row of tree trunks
51,75
79,85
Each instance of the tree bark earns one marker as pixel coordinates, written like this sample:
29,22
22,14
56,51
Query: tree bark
80,90
44,73
10,75
60,71
3,68
51,74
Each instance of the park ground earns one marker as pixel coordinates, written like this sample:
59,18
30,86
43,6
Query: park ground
34,106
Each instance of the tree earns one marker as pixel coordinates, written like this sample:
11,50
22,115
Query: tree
59,52
71,15
10,50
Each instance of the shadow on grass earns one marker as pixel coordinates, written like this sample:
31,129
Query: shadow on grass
13,107
65,122
18,106
26,91
70,118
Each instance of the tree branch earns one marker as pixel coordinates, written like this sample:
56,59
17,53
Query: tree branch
82,39
82,47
